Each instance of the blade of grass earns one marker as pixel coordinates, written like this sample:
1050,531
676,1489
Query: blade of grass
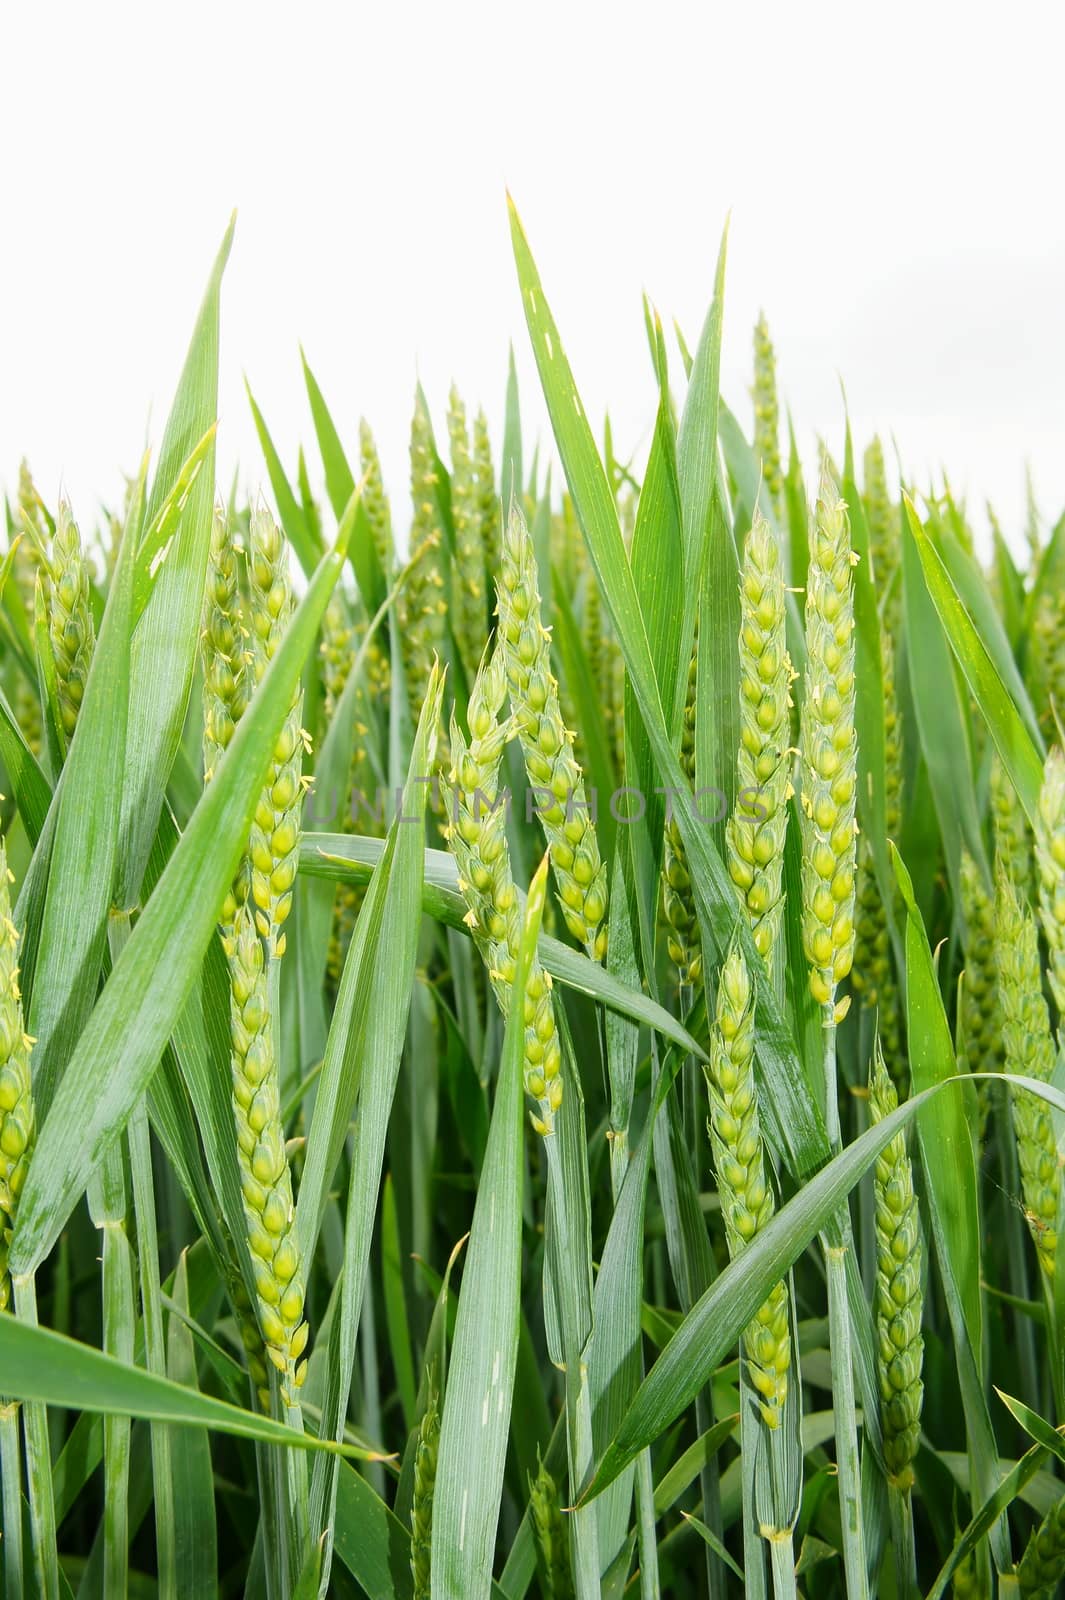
476,1415
165,645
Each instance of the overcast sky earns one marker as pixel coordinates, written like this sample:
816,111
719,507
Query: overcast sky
894,175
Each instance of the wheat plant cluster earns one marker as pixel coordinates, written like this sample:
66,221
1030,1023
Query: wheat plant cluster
531,1011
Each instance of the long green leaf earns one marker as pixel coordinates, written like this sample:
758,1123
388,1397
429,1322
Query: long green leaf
476,1420
165,645
1020,757
82,868
41,1365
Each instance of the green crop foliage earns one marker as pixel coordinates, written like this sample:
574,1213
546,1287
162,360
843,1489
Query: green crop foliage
530,1007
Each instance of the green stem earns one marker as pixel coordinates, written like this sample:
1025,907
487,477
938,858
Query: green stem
11,1485
38,1464
753,1544
900,1503
848,1465
646,1540
782,1563
140,1151
584,1522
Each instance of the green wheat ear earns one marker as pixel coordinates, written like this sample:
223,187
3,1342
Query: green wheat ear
1029,1049
547,744
767,411
1042,1566
70,624
980,999
476,806
469,584
873,972
757,828
18,1125
1013,837
421,1515
1050,866
273,846
744,1186
552,1541
683,939
375,501
883,523
422,602
900,1347
829,752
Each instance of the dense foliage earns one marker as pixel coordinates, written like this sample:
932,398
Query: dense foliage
529,1030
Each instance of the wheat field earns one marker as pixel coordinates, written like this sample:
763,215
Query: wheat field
531,1011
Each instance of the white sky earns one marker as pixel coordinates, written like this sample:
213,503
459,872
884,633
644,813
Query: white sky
894,175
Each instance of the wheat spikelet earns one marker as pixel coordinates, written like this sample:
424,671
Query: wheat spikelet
742,1177
558,782
468,587
829,752
70,624
17,1118
1046,657
756,830
900,1347
883,524
421,1515
487,495
683,939
265,1178
766,411
1042,1566
1050,867
552,1543
873,972
1029,1050
981,1006
476,830
273,846
1013,839
375,501
422,604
